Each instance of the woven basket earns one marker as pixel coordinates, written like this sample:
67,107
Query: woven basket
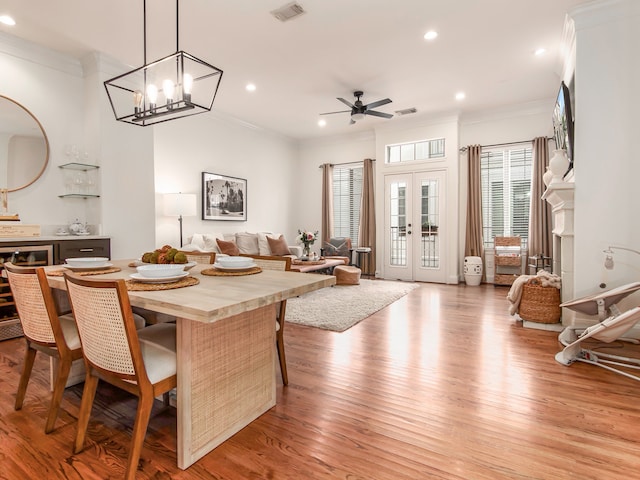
539,304
511,261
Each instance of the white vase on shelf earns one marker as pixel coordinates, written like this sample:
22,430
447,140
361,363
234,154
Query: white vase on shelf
548,175
558,164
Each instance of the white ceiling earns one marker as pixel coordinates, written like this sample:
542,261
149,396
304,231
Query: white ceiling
484,48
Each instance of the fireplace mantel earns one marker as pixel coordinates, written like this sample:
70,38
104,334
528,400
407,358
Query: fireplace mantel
560,197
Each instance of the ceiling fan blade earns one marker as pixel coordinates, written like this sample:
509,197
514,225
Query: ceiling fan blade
378,114
348,104
331,113
378,103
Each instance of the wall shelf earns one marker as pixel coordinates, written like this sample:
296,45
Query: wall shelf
78,166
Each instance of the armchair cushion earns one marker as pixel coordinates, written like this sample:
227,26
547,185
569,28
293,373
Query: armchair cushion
278,246
228,248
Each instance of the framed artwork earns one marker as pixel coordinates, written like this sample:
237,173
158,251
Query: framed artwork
224,197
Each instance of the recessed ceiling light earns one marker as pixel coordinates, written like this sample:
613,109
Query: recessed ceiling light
7,20
322,122
430,35
460,96
250,87
539,51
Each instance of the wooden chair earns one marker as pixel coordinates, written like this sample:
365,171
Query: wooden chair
268,262
44,332
112,352
201,257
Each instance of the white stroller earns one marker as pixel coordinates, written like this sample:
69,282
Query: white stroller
608,330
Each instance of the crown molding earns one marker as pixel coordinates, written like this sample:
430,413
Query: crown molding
34,53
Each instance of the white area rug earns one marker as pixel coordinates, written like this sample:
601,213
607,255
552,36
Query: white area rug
342,306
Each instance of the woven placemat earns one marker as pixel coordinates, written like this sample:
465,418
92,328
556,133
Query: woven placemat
134,286
214,272
60,273
308,262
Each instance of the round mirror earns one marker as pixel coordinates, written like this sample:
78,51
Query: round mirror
24,146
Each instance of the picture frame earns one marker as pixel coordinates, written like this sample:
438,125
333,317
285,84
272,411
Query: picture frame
563,123
224,197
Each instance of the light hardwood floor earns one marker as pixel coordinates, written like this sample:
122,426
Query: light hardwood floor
443,384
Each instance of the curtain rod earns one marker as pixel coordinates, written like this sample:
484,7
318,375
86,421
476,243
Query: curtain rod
464,149
347,163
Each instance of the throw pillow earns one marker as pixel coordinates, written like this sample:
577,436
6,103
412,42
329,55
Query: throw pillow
228,248
263,245
247,243
278,246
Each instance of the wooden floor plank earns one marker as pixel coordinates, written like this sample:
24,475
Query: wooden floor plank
442,384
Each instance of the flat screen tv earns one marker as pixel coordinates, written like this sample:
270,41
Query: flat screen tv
563,123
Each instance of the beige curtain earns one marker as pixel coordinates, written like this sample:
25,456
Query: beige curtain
540,236
474,245
327,202
367,228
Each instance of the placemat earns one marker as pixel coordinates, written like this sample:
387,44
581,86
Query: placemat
308,262
214,272
60,273
134,286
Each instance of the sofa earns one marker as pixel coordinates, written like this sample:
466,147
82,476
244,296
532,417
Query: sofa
246,242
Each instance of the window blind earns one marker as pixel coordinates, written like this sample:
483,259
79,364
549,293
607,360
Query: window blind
347,195
506,191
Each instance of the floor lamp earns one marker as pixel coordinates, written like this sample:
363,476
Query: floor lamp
179,205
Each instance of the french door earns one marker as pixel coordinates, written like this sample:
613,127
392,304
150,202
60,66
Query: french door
415,223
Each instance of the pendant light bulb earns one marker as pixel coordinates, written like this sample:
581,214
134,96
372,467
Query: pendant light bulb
168,89
187,85
137,102
152,95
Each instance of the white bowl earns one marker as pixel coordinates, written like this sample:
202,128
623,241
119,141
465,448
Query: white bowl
160,270
87,261
234,261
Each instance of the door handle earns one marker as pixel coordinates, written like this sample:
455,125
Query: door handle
409,232
86,250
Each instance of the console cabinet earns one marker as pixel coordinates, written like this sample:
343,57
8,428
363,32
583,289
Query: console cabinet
40,252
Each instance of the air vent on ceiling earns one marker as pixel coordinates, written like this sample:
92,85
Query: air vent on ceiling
289,11
406,111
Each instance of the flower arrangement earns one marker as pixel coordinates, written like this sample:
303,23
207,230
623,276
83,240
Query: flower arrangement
307,238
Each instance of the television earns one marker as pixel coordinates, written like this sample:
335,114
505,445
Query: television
563,123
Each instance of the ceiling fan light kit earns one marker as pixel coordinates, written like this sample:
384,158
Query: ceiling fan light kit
359,110
176,86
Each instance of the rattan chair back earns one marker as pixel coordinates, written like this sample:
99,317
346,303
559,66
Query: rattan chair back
207,258
44,331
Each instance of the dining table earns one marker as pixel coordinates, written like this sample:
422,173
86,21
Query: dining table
226,345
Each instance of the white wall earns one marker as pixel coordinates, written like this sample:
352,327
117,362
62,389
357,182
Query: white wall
215,144
607,124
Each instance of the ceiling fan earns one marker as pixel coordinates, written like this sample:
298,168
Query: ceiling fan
358,110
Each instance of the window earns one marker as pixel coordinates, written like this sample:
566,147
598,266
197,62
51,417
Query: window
506,191
422,150
347,195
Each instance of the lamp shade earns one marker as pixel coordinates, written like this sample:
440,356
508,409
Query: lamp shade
180,204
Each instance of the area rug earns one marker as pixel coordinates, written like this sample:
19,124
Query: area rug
342,306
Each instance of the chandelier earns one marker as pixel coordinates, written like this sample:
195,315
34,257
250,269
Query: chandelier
176,86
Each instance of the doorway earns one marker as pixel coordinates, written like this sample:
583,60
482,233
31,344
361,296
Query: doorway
415,225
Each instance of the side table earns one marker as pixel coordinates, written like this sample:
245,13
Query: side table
361,252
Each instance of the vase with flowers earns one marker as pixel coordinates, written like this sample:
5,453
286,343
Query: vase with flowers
307,239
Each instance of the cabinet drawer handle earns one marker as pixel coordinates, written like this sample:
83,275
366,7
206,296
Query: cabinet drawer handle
86,250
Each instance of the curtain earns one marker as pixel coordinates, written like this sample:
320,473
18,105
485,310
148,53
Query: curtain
367,228
474,244
327,202
540,236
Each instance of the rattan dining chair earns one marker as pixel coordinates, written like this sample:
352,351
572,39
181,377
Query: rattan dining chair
142,363
44,331
269,262
200,257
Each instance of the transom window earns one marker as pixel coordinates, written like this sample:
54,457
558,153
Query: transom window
422,150
506,193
